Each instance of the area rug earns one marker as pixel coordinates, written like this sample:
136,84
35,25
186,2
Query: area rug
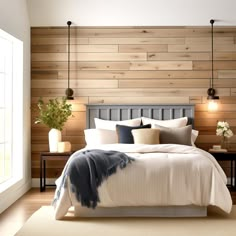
41,223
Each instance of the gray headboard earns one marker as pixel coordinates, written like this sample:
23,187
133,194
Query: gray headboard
125,112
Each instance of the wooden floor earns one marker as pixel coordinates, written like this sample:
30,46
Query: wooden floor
15,216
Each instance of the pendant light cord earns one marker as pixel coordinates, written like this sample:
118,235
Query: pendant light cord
69,23
212,69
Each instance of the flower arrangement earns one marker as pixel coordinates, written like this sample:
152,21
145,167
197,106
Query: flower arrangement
223,129
54,114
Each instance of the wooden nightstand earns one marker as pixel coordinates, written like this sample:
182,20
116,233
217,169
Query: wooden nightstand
52,156
228,156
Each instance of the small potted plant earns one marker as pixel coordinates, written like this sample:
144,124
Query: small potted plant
54,114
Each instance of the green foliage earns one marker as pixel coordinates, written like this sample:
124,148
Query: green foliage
54,114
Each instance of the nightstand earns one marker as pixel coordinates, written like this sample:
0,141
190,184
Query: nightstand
52,156
228,156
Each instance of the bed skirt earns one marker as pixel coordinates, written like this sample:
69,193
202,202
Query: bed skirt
157,211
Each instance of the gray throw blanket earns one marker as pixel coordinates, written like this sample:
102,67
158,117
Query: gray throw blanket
87,170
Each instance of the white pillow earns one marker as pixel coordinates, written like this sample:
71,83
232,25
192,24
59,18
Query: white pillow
173,123
100,136
194,136
111,125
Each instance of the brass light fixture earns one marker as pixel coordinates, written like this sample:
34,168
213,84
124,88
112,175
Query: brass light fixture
212,99
69,91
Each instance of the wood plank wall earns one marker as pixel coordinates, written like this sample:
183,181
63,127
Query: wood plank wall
132,65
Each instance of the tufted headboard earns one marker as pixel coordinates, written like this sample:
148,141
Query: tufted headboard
125,112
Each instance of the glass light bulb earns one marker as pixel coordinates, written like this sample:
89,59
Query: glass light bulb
212,105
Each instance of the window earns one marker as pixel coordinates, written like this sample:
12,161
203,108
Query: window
11,107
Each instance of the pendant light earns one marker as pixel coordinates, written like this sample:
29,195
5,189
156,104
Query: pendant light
69,91
212,99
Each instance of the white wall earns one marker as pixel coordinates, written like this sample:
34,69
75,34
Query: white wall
131,12
15,21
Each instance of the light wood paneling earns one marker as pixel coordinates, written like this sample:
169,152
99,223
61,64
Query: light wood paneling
132,65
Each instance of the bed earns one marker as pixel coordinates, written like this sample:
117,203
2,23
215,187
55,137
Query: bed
168,177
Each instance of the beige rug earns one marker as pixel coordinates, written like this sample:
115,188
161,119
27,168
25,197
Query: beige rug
42,223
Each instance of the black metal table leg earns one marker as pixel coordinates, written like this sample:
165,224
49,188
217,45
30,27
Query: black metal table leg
41,173
44,174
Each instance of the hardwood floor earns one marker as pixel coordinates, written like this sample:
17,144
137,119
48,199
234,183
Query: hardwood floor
15,216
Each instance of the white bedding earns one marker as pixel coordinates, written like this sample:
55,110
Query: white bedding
161,175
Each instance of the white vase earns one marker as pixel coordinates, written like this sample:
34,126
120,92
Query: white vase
54,136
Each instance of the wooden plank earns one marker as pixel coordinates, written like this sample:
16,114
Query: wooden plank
189,48
136,41
215,115
179,56
213,122
94,48
233,92
228,56
221,108
164,83
143,48
49,48
161,65
89,56
75,84
225,47
78,100
207,40
227,74
44,75
135,31
74,48
195,99
176,83
49,41
218,65
138,100
75,65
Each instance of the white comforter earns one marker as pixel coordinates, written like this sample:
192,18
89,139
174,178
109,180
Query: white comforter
161,175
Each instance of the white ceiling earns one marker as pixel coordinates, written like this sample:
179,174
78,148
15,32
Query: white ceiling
131,12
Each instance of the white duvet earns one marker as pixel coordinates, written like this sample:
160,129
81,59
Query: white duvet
161,175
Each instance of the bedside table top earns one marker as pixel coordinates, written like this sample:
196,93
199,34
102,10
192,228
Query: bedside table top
221,156
56,153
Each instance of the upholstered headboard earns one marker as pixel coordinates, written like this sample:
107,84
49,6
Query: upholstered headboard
125,112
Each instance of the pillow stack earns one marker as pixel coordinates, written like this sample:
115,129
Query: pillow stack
174,131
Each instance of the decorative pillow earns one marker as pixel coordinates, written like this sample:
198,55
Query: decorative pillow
146,136
124,132
111,125
173,123
175,135
100,136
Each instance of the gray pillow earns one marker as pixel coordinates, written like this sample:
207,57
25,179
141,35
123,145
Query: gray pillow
175,135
